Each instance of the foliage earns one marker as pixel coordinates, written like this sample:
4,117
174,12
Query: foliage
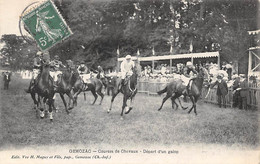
101,27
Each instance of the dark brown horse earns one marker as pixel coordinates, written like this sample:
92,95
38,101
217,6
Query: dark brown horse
95,85
175,89
7,79
65,84
44,88
129,91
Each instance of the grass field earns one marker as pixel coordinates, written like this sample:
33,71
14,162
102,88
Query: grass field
144,125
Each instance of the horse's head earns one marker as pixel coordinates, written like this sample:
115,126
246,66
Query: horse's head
133,78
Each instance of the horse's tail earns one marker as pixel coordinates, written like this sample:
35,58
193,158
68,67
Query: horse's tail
162,91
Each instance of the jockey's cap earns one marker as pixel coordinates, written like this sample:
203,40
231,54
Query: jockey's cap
82,62
128,57
39,53
189,63
56,57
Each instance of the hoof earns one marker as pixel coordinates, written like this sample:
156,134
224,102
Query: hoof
185,108
159,109
51,120
126,112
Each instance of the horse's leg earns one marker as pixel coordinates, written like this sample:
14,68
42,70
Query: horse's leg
164,99
34,100
50,103
195,106
41,108
93,91
84,95
123,106
114,94
173,102
75,97
53,104
130,106
71,97
193,102
184,108
99,92
64,101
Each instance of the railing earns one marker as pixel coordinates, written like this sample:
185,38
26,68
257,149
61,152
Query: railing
151,88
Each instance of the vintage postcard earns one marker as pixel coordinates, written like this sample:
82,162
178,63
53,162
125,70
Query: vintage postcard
129,81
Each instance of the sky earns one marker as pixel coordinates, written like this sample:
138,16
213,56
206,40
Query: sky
10,10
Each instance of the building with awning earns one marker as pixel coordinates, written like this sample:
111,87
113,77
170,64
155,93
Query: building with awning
254,54
170,58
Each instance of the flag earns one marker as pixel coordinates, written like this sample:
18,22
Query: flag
191,47
117,51
153,51
138,53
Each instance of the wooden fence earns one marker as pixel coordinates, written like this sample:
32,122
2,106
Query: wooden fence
151,88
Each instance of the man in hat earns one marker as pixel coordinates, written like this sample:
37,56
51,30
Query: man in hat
222,89
236,93
37,63
126,68
244,94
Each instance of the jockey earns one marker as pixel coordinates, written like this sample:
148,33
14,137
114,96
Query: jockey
82,68
56,66
126,68
84,72
186,77
100,72
37,63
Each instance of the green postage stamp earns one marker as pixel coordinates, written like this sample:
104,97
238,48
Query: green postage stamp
46,25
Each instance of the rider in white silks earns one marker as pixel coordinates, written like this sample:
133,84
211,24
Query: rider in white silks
84,72
56,65
186,77
126,68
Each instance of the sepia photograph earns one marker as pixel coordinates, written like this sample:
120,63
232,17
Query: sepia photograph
129,81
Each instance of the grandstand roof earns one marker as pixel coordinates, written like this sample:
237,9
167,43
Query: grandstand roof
178,56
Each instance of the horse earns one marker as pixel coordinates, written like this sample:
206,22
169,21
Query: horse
128,90
44,88
65,83
95,85
176,87
7,78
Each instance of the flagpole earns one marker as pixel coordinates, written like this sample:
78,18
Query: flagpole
118,53
153,60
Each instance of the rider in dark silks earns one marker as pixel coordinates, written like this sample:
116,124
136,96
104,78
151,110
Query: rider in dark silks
40,59
187,78
37,63
82,69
